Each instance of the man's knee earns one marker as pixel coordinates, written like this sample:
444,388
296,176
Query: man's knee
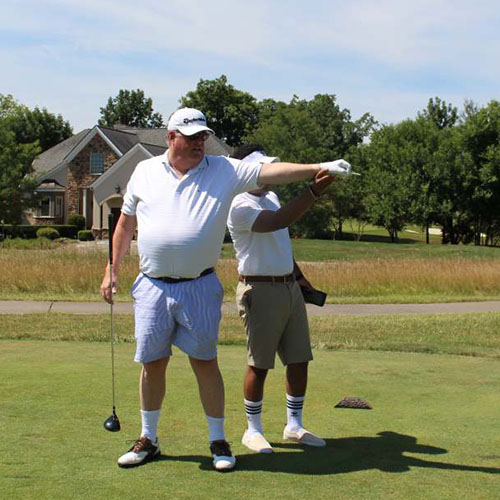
155,368
259,373
204,365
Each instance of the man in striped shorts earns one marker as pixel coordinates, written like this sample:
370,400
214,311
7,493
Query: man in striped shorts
179,202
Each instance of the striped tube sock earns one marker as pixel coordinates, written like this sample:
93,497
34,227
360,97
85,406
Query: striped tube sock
253,410
294,405
150,424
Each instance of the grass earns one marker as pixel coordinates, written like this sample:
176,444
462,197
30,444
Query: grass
326,250
455,334
348,271
432,434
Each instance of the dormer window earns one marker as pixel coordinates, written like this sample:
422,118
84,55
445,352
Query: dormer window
96,163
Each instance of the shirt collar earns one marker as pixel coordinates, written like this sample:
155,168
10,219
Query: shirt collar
202,165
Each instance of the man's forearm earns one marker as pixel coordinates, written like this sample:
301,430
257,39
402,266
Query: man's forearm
269,221
284,173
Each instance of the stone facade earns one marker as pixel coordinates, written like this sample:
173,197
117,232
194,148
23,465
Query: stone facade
79,176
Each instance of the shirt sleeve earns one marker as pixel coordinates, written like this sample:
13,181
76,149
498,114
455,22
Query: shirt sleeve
242,216
130,198
247,174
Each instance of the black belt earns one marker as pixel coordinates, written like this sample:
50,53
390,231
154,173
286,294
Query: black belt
267,279
168,279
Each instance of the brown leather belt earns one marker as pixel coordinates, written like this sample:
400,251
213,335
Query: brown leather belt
267,279
168,279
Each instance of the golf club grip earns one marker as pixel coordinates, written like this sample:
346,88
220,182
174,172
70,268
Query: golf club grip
110,237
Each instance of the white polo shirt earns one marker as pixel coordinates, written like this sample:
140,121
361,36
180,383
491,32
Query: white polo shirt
258,254
181,222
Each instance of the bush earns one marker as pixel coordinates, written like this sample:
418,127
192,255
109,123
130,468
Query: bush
77,220
27,231
48,232
85,235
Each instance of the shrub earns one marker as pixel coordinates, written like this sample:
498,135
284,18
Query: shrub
85,235
47,232
77,220
27,231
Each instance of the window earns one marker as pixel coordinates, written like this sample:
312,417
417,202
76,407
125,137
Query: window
96,163
45,206
59,206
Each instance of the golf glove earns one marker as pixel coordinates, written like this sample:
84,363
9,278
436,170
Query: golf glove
337,167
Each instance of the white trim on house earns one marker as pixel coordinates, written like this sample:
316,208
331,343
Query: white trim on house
95,130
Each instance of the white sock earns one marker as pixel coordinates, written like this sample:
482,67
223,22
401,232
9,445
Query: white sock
253,410
150,424
294,407
216,428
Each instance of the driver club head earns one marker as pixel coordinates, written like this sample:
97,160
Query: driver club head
112,423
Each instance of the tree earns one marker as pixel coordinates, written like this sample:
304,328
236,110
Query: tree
480,144
33,125
311,132
40,124
16,185
24,133
132,108
441,114
230,112
391,163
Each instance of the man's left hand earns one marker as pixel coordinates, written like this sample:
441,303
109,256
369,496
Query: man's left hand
321,182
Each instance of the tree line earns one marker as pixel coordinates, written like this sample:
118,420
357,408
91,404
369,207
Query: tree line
441,168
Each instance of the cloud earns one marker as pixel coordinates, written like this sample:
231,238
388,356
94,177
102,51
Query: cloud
71,56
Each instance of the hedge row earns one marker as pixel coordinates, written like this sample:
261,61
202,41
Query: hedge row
29,232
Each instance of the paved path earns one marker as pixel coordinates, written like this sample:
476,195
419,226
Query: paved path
27,307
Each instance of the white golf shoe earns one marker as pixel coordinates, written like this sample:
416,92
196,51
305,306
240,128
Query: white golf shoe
303,436
256,441
142,451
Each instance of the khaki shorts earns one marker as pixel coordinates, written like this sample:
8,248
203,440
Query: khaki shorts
275,319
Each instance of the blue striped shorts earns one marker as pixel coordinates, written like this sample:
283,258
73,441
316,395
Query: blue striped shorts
185,314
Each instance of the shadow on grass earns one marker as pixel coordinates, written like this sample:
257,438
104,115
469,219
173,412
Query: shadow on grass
384,452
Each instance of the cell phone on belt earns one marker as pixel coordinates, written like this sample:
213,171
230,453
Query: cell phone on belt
315,297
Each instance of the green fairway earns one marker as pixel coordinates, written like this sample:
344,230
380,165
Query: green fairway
464,334
433,432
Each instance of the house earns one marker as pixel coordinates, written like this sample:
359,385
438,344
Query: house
87,173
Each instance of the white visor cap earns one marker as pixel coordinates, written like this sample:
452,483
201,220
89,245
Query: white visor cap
188,121
261,157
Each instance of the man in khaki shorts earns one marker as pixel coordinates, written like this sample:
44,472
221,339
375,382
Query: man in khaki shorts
270,301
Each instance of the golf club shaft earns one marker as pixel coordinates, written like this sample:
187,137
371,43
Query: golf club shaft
110,236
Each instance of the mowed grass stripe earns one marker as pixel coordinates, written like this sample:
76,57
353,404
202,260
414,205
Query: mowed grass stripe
459,334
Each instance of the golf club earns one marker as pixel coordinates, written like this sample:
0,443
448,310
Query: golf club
112,423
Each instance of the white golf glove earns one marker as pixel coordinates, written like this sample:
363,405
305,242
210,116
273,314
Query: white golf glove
337,167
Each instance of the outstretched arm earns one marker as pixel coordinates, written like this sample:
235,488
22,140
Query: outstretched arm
284,173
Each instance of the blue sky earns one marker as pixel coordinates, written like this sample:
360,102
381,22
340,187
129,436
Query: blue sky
386,57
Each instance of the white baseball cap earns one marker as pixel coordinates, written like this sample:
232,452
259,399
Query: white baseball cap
188,121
